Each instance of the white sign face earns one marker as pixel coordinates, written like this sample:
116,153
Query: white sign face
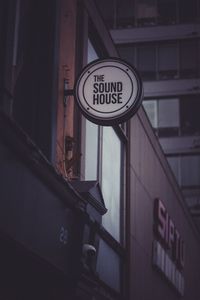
109,91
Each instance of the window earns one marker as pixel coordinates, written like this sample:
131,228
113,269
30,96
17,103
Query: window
108,265
117,13
164,60
174,163
91,137
125,13
127,52
190,166
110,167
167,61
92,55
188,10
168,117
190,121
108,10
164,116
188,59
146,61
151,109
91,151
111,180
186,170
33,72
103,162
174,116
146,12
167,11
128,13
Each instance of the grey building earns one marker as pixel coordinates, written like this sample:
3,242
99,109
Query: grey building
161,38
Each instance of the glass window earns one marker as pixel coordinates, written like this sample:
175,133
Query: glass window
187,10
190,120
117,13
168,117
151,109
146,12
168,113
111,180
91,151
102,161
190,166
127,52
108,11
167,61
186,169
175,166
108,266
91,135
192,198
164,116
125,13
198,52
34,104
146,56
92,55
167,11
188,59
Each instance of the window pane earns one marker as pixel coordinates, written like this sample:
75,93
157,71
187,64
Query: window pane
91,151
150,107
175,166
188,10
111,180
92,55
192,200
147,62
198,52
125,13
190,120
167,11
108,266
127,52
91,135
188,59
146,12
108,11
167,61
190,174
168,113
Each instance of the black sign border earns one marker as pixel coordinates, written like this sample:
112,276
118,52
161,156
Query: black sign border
125,116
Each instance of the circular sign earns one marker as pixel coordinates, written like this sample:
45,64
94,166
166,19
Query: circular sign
108,91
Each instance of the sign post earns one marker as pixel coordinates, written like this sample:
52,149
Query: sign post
109,91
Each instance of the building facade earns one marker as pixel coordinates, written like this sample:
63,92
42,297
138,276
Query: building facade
87,212
161,38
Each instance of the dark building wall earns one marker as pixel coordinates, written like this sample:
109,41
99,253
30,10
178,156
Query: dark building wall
28,35
41,230
33,87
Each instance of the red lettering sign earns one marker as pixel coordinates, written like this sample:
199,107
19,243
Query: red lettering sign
167,233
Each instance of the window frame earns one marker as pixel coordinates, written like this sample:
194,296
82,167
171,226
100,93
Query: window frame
90,25
115,21
178,71
121,132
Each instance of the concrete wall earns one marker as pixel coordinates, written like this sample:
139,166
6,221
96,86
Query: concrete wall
151,178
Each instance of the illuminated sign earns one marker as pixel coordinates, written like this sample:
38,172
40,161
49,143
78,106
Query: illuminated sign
108,91
168,249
